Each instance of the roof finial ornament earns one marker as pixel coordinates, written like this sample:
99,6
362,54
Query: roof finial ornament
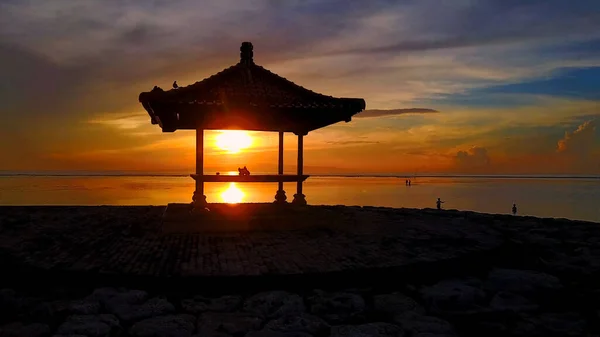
246,53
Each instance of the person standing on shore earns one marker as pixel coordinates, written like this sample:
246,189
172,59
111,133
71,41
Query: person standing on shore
514,209
439,203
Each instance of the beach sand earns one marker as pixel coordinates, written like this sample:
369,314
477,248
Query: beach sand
318,270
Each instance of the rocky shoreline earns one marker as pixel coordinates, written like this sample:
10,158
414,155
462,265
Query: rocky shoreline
433,274
507,302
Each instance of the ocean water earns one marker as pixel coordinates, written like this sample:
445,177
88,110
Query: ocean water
563,197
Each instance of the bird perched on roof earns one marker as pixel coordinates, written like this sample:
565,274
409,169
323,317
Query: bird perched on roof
175,86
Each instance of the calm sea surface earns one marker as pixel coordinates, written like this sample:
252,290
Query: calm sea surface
574,198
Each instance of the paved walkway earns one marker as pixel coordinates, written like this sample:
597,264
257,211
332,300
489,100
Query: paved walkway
128,240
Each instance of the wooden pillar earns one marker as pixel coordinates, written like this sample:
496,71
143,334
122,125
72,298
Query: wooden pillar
280,195
199,199
299,198
200,158
300,161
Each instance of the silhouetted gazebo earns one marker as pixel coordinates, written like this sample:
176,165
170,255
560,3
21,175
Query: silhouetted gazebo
247,96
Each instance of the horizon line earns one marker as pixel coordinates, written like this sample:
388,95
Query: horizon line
332,175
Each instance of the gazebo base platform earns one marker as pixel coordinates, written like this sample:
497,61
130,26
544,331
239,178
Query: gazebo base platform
221,217
259,178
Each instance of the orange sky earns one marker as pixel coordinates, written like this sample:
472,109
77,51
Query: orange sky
433,143
518,101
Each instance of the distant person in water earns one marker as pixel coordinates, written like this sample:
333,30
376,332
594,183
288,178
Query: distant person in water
243,171
439,203
514,209
406,182
409,182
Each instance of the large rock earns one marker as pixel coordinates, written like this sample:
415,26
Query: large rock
21,330
110,297
513,302
524,282
84,307
551,324
337,307
371,330
453,296
396,303
416,324
9,304
53,312
134,312
164,326
90,325
201,304
274,304
271,333
126,304
565,324
234,323
486,328
303,323
14,307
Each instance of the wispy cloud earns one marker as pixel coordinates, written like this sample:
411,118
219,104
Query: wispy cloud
351,142
394,112
126,122
579,142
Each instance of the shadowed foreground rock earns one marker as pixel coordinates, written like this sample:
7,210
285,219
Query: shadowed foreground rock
452,307
372,272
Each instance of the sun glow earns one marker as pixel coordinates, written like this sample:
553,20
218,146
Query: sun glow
233,141
232,195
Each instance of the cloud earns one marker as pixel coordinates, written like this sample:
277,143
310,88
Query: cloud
579,142
133,46
351,142
393,112
474,158
128,121
459,41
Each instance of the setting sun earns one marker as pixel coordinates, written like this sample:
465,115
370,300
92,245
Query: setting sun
232,195
233,141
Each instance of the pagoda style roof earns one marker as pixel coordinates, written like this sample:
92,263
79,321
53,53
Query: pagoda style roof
246,96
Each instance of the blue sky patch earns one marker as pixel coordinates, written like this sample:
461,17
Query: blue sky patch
580,83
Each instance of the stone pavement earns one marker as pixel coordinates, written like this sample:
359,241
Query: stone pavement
128,240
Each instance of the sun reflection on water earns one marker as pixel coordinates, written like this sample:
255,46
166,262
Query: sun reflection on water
233,194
